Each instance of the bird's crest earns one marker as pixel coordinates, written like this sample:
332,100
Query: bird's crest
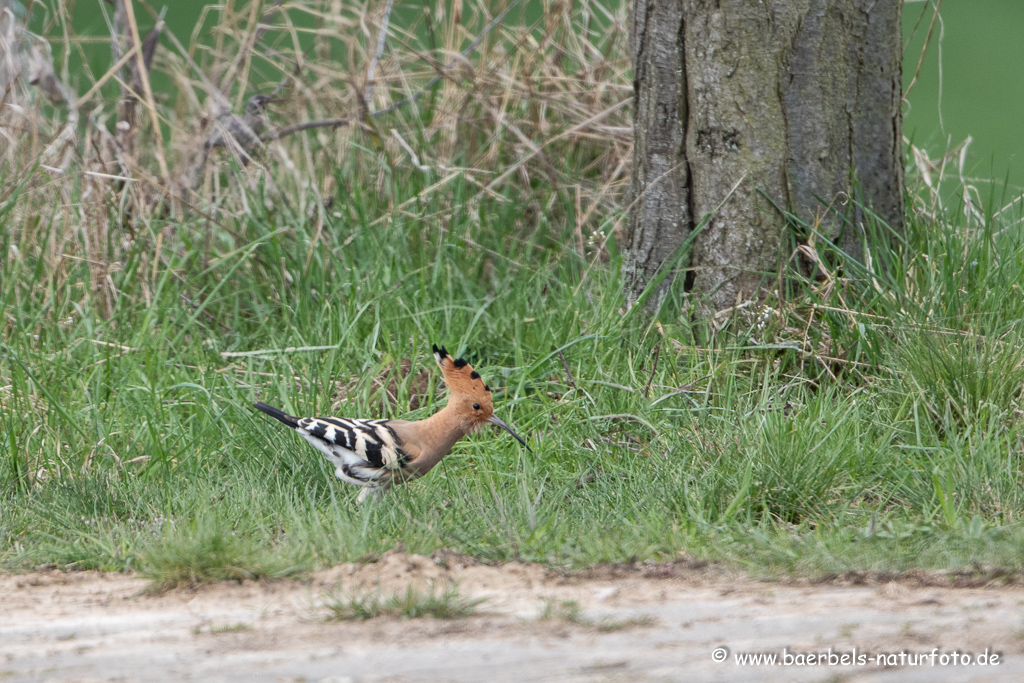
459,375
469,398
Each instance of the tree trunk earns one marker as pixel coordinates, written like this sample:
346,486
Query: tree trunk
793,100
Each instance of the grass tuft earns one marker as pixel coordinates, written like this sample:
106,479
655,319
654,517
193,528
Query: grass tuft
209,552
237,627
412,604
963,378
570,612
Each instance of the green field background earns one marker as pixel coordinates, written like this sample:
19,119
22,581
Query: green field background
982,94
982,71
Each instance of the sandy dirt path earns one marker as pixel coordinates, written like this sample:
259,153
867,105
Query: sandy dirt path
101,627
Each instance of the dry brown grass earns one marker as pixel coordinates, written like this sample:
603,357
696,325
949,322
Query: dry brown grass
537,113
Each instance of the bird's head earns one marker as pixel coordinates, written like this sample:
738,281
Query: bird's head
257,104
468,396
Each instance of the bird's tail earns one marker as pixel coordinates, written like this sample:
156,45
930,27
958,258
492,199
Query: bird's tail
273,412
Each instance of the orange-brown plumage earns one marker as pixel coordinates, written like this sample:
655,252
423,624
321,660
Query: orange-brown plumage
375,453
469,399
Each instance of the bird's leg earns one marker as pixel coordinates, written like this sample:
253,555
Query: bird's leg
371,492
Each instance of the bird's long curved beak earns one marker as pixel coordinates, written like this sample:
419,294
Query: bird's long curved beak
495,420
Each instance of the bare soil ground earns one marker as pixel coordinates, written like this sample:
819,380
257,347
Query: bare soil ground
103,627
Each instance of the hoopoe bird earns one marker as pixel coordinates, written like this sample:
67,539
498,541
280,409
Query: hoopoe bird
374,454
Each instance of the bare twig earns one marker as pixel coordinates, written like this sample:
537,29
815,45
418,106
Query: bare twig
340,123
219,99
289,77
120,44
148,92
685,389
243,54
654,368
382,37
447,67
568,372
579,126
308,125
110,73
924,49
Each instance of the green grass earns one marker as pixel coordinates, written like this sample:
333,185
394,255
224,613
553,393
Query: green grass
869,422
141,452
964,95
206,552
412,604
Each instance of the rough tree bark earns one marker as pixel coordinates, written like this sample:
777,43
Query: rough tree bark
798,98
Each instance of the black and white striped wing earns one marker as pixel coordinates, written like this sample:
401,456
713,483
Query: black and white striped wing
362,451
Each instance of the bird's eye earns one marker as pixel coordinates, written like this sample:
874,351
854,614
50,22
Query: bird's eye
476,406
